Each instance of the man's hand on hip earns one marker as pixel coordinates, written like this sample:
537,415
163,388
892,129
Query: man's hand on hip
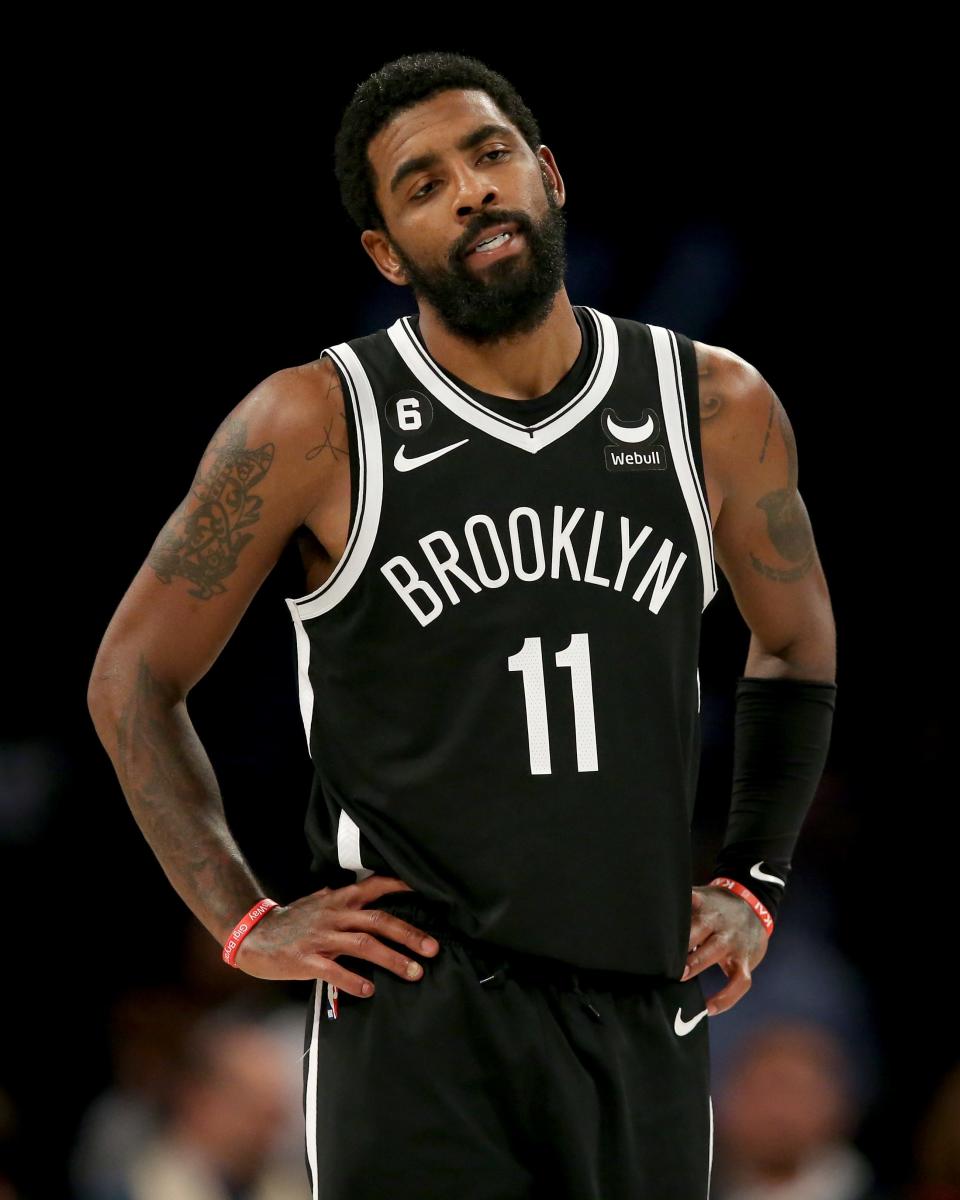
724,930
301,940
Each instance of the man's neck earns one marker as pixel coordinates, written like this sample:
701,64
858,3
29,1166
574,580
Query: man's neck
517,367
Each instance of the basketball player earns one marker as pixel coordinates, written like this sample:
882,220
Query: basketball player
510,509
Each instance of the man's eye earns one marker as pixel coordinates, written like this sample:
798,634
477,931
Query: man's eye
419,193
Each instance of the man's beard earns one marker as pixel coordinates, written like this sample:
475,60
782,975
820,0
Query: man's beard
511,296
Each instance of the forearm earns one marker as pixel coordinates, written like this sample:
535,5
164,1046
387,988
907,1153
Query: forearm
170,786
782,735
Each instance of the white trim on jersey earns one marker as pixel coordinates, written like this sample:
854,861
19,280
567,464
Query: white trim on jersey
369,492
710,1162
681,449
304,686
359,544
527,437
310,1107
365,523
348,846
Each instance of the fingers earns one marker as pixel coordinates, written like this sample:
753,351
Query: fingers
739,979
297,963
375,886
385,924
738,984
702,921
354,895
361,943
707,952
699,932
340,977
358,944
353,916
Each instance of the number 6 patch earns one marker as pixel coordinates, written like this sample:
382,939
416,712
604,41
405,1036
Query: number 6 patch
408,412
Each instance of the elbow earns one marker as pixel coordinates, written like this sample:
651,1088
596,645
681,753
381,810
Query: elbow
812,668
98,688
101,698
124,677
110,683
812,656
816,654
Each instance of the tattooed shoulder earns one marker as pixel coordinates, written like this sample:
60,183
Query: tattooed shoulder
333,442
750,444
203,538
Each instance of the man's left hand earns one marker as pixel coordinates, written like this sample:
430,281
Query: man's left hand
725,930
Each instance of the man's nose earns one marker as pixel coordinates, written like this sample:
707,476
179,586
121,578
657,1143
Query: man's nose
473,192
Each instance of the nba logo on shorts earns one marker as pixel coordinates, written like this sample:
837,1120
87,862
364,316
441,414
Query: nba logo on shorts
333,1003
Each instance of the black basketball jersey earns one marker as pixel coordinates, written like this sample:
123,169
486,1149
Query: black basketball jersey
499,681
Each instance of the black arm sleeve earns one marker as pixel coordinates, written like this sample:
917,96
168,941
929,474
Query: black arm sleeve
781,736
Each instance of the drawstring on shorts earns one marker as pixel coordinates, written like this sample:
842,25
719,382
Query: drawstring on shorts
498,978
496,969
583,999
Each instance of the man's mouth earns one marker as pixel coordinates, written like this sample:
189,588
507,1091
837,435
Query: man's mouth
494,248
491,243
493,240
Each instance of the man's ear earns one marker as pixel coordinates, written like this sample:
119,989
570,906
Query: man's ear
552,180
378,245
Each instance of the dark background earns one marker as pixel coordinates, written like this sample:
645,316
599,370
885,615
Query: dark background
181,237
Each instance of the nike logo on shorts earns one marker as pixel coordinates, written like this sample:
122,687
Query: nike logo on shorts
402,463
681,1027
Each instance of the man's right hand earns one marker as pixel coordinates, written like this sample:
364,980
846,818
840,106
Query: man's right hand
301,940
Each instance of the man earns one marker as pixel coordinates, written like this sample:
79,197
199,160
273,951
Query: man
508,508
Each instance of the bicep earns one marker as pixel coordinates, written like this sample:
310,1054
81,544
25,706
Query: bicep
763,539
249,494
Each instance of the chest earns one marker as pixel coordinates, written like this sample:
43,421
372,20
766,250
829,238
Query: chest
322,540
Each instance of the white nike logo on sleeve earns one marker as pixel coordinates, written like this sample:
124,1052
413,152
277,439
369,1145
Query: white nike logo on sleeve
758,874
410,464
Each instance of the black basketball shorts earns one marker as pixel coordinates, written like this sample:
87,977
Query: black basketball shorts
498,1076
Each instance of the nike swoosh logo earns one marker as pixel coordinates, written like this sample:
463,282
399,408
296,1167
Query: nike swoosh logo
631,433
681,1027
758,874
410,464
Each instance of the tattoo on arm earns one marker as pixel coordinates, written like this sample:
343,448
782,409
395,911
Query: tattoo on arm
172,791
326,444
201,541
766,433
788,525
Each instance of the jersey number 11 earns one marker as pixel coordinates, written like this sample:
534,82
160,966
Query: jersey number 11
576,656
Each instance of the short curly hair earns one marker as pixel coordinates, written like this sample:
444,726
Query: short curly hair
399,85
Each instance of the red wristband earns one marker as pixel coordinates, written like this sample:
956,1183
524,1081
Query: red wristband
232,944
745,894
